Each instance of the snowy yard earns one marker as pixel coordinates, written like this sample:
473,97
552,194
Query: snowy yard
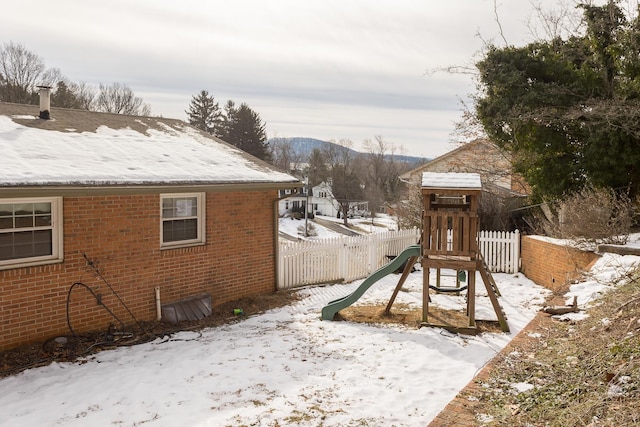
284,367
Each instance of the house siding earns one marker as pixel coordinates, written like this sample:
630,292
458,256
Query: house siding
479,156
122,235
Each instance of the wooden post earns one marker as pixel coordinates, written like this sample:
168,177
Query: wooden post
425,293
405,273
471,298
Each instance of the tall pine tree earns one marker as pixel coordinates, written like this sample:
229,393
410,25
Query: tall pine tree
204,113
245,130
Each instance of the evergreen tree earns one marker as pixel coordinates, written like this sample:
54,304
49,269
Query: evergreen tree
245,130
228,117
204,113
66,96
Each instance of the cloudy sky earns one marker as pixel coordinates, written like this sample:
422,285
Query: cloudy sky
326,69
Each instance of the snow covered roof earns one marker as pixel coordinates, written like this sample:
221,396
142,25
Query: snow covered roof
82,148
451,180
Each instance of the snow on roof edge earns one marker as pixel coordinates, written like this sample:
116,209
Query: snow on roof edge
454,180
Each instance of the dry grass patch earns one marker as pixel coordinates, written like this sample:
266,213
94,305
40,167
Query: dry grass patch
584,373
403,314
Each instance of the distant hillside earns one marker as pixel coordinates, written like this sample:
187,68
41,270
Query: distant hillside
305,146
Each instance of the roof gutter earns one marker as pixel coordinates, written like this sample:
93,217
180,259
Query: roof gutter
87,190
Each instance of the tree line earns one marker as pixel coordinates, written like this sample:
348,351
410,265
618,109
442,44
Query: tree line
238,125
371,175
22,71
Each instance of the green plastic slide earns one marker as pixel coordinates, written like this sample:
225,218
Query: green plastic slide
330,310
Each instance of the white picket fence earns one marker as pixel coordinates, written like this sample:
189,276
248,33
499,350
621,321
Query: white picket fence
339,259
349,258
500,250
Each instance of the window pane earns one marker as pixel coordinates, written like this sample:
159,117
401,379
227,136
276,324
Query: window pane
23,244
42,208
167,212
168,208
42,243
24,221
23,209
190,229
177,230
187,206
6,246
6,222
43,220
6,209
26,244
167,232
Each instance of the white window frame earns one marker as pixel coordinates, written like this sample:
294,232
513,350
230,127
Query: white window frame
200,216
56,227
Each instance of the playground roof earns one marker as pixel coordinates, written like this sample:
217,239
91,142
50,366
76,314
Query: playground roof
468,181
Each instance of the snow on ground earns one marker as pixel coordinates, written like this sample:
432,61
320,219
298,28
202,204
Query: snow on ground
287,367
609,270
295,227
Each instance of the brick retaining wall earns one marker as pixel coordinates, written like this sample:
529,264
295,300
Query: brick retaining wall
550,263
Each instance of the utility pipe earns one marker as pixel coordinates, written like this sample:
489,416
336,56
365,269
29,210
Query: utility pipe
158,306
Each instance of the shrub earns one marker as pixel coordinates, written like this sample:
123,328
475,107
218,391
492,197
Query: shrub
311,229
588,217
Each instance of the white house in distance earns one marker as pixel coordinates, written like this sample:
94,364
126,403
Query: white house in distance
320,201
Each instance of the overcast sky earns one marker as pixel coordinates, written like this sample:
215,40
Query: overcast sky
326,69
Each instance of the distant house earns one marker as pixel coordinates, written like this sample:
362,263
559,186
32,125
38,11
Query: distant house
320,201
479,156
503,191
159,207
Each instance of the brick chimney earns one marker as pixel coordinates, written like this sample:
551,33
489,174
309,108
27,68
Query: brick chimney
45,102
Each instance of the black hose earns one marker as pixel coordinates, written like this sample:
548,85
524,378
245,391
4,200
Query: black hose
97,271
98,300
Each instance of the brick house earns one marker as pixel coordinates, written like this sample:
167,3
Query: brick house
478,156
158,206
502,190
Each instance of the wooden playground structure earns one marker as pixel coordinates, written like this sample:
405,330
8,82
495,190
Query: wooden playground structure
449,241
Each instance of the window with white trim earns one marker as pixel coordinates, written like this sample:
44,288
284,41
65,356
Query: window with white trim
182,219
30,231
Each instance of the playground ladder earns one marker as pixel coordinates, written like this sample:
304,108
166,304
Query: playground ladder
489,276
